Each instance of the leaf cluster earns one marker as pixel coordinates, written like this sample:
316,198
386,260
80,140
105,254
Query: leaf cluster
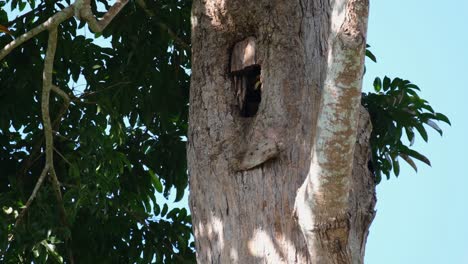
119,147
396,110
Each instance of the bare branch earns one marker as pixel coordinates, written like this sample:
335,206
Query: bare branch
86,94
63,157
47,86
62,94
95,25
52,22
33,194
35,152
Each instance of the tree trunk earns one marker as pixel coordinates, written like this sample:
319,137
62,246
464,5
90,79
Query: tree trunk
274,110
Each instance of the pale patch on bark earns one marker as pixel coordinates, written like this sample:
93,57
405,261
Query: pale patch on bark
234,255
261,246
214,232
322,201
243,55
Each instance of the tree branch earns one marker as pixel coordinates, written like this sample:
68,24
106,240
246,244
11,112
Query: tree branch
35,152
49,140
47,87
84,12
62,94
52,22
33,194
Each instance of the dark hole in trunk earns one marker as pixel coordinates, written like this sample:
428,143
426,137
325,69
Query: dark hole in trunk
253,92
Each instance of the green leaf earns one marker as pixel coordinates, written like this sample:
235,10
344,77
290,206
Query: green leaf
396,166
164,210
409,161
22,5
410,135
377,84
179,195
386,83
156,209
371,56
182,214
173,213
412,86
422,131
442,118
395,83
427,107
32,3
74,171
388,158
156,181
434,126
418,156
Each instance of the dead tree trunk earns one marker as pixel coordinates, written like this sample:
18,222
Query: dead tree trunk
274,105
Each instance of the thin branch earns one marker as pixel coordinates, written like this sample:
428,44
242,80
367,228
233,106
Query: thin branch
52,22
33,194
49,139
62,94
84,12
47,87
58,135
85,94
60,114
35,152
60,154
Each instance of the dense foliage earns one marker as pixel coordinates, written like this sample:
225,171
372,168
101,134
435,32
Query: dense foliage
120,146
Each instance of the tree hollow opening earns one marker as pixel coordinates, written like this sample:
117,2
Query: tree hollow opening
251,95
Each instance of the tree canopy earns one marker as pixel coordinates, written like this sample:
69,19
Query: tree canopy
119,143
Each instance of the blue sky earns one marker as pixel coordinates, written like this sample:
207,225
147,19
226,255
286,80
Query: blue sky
423,217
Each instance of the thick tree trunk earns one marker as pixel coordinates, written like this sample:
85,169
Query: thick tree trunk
247,165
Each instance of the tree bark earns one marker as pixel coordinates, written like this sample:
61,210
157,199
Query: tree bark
246,171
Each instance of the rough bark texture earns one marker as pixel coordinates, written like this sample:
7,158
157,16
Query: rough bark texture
245,172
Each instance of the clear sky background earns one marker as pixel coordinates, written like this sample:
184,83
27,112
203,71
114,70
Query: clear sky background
423,217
